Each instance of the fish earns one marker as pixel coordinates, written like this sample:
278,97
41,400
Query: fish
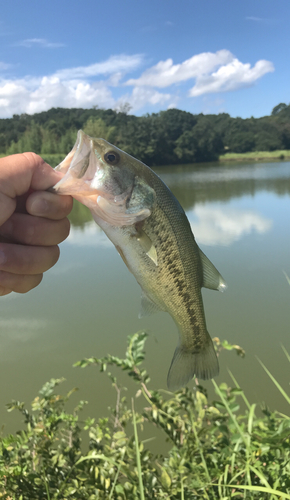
153,236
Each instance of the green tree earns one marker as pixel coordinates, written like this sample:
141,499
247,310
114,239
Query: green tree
268,137
96,127
67,141
202,143
239,137
31,140
3,143
278,108
167,137
14,148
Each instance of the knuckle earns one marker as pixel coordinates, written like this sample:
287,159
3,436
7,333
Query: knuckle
33,158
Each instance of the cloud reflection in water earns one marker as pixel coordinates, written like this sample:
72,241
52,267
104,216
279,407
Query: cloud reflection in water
21,329
213,225
89,235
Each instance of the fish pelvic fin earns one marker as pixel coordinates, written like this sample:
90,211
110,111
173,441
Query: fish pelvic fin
185,365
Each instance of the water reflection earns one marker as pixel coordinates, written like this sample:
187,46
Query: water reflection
89,302
198,188
200,184
214,225
20,329
88,235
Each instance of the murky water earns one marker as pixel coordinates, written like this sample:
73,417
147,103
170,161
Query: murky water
89,302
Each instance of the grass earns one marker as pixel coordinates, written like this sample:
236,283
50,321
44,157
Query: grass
283,154
217,451
256,155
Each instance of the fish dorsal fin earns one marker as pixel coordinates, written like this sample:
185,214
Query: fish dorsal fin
147,245
148,307
211,277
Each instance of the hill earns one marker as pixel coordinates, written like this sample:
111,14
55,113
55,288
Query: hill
168,137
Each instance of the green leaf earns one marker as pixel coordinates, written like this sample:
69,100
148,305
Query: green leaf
165,479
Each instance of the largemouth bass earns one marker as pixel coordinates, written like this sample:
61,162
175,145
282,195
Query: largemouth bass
151,232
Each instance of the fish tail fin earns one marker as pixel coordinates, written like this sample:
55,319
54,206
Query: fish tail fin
185,364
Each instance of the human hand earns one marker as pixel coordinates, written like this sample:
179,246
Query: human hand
32,221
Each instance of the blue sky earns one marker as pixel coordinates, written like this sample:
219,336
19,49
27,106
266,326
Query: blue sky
203,56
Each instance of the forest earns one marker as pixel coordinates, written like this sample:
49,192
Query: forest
168,137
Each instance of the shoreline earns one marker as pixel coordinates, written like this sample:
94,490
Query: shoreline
256,156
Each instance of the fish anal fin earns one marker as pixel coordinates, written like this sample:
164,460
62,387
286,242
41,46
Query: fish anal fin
147,245
148,307
211,277
185,365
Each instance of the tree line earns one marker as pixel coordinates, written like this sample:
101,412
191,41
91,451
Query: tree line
168,137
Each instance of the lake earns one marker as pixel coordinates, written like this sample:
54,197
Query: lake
89,302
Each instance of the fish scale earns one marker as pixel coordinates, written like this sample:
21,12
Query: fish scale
151,232
181,279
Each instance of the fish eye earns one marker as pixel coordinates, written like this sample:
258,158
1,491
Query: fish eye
112,157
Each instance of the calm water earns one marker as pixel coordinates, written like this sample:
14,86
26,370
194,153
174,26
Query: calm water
89,302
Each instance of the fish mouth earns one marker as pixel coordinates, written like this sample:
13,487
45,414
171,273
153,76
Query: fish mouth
79,168
89,179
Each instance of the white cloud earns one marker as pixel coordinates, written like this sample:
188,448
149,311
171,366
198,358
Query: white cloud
232,76
25,96
260,20
4,66
213,72
52,92
39,42
70,87
141,96
114,64
101,83
217,226
165,73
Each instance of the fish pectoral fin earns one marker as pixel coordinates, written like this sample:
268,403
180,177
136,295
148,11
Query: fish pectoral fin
148,307
147,245
116,216
121,253
186,364
212,279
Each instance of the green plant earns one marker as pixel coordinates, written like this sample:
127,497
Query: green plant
216,450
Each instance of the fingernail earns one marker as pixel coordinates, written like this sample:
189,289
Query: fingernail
3,257
39,207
